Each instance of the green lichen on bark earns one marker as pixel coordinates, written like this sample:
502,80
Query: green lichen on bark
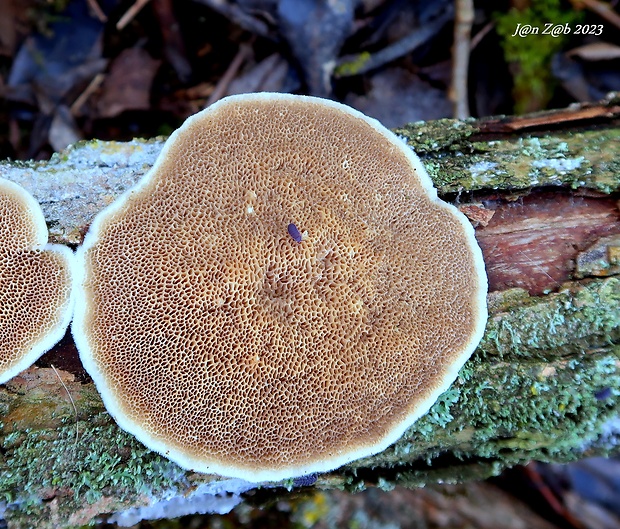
565,322
103,464
587,159
73,186
500,414
61,466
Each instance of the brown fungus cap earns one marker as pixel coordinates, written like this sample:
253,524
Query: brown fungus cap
35,283
281,294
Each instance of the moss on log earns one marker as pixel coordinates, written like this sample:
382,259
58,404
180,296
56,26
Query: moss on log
544,383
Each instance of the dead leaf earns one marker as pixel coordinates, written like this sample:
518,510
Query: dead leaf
63,129
596,51
128,84
12,22
397,96
272,74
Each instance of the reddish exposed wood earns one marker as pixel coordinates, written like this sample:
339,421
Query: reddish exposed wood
532,242
549,118
478,215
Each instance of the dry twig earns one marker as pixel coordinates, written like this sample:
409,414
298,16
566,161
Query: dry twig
481,34
77,432
244,53
88,91
131,13
463,20
96,9
602,9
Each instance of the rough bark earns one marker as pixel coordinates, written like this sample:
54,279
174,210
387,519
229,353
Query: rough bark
544,383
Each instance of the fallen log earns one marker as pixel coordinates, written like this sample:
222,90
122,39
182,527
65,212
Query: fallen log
544,384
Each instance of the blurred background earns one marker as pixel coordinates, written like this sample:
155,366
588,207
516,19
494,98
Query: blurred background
114,70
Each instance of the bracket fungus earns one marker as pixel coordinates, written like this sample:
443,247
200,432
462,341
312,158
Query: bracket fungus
35,282
225,344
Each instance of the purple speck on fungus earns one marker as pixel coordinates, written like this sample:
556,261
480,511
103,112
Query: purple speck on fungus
294,232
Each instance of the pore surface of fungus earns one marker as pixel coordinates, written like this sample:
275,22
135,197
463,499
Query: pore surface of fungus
35,282
282,293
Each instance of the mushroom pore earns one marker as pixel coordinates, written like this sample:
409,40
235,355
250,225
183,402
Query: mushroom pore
227,341
35,282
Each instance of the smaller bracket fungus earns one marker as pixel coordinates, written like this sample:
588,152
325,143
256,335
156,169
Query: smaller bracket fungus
232,343
36,300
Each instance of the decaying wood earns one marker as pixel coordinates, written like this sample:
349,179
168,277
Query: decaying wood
544,383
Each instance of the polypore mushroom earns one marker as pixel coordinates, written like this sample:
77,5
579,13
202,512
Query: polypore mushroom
35,282
223,341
